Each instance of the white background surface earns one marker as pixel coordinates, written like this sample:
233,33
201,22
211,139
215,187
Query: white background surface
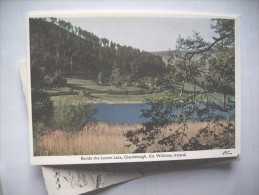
19,177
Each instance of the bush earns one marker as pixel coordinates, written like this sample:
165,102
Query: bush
72,117
42,107
42,111
56,81
84,93
59,82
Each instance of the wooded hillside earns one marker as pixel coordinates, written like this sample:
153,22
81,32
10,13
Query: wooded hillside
58,47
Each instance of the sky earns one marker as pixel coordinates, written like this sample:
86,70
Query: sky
145,33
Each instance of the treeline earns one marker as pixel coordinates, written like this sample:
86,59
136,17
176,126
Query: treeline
57,49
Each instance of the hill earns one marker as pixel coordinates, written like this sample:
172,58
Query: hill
58,47
161,53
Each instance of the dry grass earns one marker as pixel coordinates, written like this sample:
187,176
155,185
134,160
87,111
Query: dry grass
192,129
104,138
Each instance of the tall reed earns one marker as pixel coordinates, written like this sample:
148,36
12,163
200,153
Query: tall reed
105,138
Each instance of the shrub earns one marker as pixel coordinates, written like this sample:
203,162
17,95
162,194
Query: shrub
84,93
72,117
71,90
42,107
59,82
56,81
42,111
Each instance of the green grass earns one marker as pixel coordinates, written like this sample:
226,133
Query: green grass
98,93
92,87
59,91
101,94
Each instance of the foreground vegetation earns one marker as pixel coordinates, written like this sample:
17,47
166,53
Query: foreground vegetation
101,138
104,138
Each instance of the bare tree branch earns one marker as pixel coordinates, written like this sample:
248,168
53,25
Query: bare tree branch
192,53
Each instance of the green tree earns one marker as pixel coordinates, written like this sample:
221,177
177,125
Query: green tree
42,105
72,117
201,77
101,78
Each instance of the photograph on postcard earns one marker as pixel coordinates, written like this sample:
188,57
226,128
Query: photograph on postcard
132,84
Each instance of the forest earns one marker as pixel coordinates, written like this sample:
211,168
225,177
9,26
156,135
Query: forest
59,49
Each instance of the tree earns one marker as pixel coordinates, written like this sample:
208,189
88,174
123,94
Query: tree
42,105
101,78
105,42
202,82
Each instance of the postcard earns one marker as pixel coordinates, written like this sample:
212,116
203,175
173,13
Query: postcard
132,87
74,178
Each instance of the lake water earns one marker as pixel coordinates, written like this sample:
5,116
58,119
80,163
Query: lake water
127,113
120,113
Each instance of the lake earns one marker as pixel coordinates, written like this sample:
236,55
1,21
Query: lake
128,113
120,113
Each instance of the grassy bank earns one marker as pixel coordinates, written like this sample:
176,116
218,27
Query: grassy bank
99,94
104,138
